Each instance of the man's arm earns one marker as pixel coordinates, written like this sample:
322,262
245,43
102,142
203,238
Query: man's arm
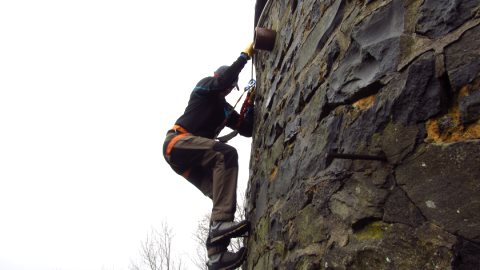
215,85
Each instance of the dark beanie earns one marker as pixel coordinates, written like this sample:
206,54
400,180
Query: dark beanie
221,70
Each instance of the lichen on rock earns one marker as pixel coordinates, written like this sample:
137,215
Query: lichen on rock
393,78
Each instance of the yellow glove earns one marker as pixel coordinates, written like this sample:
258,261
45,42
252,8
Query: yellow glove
249,50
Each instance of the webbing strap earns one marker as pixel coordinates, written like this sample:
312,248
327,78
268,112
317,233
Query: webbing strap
173,142
179,128
183,133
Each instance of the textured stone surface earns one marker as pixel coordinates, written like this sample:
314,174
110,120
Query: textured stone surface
436,171
320,33
438,17
374,52
397,78
470,107
463,59
422,95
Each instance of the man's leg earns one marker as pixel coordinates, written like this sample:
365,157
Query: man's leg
224,191
205,157
224,182
213,169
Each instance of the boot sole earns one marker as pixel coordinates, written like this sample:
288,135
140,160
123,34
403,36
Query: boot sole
233,266
237,264
240,231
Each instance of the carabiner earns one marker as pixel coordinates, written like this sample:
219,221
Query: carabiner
251,84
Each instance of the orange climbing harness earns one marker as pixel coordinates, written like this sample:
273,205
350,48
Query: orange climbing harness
181,132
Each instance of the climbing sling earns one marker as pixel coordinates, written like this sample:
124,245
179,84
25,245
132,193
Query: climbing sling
250,90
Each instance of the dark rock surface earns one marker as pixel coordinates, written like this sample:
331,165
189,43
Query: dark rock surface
463,59
446,170
470,108
439,17
392,78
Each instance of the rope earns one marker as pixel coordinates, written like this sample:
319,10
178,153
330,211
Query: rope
251,71
250,88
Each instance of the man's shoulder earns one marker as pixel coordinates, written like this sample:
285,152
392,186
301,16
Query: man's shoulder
204,85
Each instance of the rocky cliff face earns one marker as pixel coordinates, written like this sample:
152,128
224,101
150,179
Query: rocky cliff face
398,79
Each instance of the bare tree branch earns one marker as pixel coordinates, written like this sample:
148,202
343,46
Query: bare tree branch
200,237
156,251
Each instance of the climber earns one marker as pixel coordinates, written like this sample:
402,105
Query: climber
211,166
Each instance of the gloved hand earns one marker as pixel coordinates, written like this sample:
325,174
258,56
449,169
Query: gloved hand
249,50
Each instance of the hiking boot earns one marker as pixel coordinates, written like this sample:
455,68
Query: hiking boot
220,230
226,260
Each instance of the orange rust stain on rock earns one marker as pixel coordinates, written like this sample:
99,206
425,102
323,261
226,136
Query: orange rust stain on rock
364,103
273,173
464,91
448,128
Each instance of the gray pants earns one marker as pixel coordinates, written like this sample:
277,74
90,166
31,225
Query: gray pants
212,167
209,165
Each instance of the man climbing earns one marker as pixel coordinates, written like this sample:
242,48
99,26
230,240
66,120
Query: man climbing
191,150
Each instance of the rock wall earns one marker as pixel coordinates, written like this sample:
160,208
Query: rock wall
398,79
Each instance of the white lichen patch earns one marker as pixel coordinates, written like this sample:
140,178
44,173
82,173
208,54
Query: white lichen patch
430,204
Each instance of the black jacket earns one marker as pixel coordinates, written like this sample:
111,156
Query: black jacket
207,109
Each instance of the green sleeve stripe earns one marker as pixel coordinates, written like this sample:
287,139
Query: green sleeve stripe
201,88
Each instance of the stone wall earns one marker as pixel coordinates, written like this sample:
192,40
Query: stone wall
398,79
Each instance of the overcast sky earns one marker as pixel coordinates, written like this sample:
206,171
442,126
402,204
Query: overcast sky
87,91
